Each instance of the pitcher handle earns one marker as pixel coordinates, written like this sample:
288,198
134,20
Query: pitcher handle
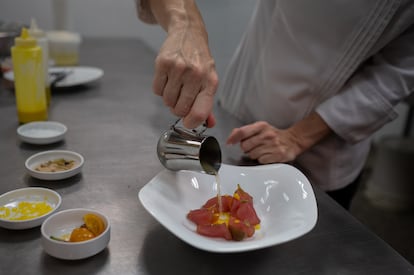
198,131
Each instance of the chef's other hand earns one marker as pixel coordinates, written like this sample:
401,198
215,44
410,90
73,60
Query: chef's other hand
265,143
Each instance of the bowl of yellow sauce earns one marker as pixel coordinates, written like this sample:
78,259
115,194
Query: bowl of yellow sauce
27,207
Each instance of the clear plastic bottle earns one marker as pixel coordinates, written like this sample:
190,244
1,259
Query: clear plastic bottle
43,43
29,79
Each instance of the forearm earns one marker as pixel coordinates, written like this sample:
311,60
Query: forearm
309,131
172,14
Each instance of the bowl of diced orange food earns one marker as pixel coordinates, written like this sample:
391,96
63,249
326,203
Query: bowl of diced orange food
75,234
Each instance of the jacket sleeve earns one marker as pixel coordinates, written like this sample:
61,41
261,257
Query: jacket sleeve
367,101
144,12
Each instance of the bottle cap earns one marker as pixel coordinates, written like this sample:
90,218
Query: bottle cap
35,31
25,40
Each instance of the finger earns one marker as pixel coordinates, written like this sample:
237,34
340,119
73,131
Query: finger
260,137
159,82
267,153
248,144
211,121
267,159
171,93
258,151
160,76
187,96
203,103
174,84
234,137
200,111
270,154
243,133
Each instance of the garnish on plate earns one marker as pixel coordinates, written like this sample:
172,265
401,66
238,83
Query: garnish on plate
237,221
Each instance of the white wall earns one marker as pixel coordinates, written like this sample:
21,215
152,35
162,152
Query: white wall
225,20
94,18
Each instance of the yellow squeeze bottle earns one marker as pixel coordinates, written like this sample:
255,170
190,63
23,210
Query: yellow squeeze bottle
29,79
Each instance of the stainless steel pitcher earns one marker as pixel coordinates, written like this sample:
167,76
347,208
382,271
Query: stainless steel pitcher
180,148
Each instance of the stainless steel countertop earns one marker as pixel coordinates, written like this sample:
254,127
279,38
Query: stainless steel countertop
115,125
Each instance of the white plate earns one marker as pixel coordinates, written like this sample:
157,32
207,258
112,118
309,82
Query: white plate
42,157
77,75
42,132
31,194
283,199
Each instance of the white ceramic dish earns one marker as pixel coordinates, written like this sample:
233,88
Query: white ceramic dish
31,194
42,157
77,75
283,199
42,132
61,224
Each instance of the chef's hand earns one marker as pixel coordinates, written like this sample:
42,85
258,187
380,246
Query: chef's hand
267,144
185,76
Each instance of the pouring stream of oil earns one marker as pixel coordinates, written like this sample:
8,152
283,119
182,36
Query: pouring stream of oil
215,173
220,203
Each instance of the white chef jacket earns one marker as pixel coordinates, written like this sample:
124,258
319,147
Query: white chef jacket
350,61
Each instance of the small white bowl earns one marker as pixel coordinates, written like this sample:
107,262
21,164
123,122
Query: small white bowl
42,157
42,132
30,194
61,224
